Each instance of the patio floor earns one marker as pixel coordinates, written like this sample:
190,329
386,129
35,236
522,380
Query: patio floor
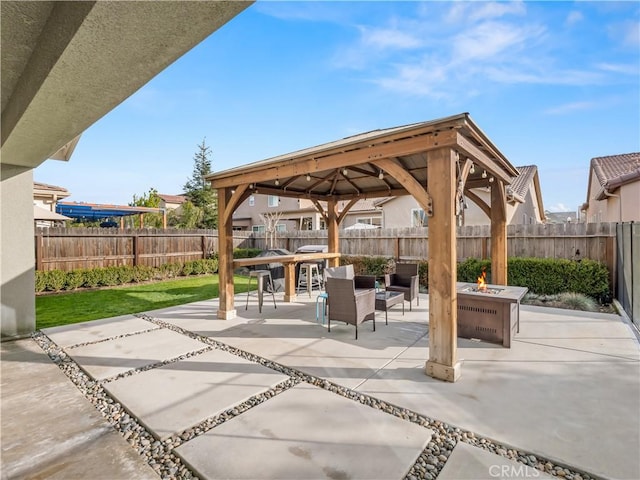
260,396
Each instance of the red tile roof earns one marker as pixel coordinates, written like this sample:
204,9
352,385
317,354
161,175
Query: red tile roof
616,170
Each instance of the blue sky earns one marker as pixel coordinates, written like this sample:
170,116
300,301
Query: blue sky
552,84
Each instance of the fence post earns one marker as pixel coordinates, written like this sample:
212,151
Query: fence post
204,246
484,248
39,248
136,250
396,249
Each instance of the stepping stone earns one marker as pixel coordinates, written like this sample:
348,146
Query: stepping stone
68,335
307,433
172,398
106,359
467,462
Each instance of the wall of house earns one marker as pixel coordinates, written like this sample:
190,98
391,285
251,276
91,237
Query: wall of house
293,210
524,213
597,210
396,212
630,194
18,315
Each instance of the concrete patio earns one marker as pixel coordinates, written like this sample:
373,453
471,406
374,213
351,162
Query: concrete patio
274,395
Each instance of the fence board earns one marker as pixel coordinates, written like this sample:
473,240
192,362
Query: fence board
67,249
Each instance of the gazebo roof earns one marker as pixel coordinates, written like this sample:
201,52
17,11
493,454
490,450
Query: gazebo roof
357,166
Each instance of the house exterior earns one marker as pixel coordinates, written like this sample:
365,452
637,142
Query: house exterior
613,191
524,205
171,202
47,196
294,214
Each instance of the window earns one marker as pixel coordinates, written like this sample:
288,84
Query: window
370,220
252,201
257,228
418,218
323,224
273,200
281,227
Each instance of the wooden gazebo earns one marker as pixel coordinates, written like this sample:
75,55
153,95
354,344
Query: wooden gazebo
438,162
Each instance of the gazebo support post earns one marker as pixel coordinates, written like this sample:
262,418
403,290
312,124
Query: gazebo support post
498,234
332,227
226,310
443,304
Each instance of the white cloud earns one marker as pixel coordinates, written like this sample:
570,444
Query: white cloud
570,108
491,39
620,68
573,18
383,38
476,11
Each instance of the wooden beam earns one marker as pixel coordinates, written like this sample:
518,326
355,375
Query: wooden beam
478,156
226,306
498,234
320,209
236,199
332,227
415,188
308,164
443,305
346,209
480,202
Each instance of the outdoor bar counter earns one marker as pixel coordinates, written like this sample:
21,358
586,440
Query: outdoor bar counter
289,262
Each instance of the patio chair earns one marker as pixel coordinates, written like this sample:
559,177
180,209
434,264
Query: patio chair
349,305
405,280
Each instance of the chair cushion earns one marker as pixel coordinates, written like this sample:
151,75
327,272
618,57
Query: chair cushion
402,280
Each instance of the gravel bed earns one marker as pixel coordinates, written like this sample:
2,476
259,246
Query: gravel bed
159,454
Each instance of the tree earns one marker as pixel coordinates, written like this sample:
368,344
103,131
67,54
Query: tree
151,199
270,220
198,190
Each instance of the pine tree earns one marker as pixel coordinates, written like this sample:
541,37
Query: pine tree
198,190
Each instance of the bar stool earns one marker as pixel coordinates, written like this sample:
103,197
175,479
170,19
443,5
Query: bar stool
260,275
309,268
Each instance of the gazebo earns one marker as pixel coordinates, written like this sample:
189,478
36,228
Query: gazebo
439,162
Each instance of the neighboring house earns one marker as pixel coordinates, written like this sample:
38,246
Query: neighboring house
171,202
363,211
524,205
613,192
45,199
295,214
561,217
47,196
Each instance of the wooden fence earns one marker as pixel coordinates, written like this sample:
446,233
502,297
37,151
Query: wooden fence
72,248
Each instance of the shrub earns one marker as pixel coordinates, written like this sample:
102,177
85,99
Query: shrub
142,273
211,265
198,267
246,252
56,280
41,281
74,279
187,269
93,277
125,274
423,272
470,269
578,301
110,277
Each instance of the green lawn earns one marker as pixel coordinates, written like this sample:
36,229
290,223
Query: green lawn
74,307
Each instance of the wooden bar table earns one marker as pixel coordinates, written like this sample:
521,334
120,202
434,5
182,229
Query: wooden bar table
289,263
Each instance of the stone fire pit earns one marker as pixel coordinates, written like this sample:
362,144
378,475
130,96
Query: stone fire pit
492,315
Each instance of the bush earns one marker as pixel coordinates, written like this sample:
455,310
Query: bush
74,280
110,277
56,280
211,265
93,277
470,269
187,269
41,281
549,276
198,267
246,252
578,301
142,273
362,265
125,274
423,272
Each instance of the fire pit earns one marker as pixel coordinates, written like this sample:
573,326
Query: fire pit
489,312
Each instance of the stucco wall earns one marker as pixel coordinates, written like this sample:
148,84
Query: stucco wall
630,194
18,262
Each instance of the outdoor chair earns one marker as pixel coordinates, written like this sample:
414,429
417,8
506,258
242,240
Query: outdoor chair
405,280
348,304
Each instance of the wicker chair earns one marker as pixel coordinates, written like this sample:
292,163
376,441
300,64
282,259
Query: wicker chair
350,305
405,280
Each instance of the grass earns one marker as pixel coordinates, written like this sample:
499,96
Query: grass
81,306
